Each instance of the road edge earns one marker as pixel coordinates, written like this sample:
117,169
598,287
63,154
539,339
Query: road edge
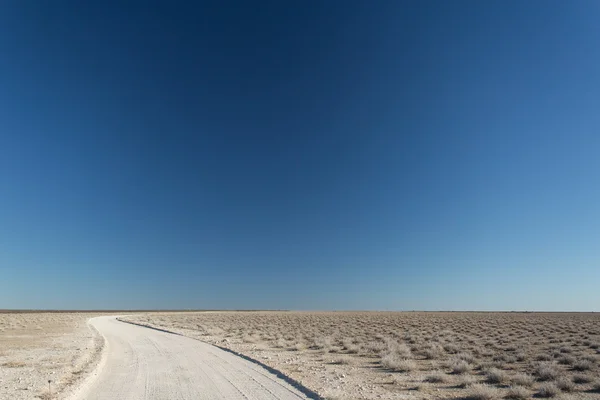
75,391
297,385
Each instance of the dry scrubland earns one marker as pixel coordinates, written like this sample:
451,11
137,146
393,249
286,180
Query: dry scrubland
37,347
368,355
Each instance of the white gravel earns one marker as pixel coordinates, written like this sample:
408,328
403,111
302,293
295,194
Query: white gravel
142,363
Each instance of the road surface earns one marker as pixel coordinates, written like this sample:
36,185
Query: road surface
146,364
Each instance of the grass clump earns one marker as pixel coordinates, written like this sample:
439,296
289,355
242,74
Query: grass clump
583,365
580,378
451,348
323,343
524,380
350,346
565,384
436,377
433,352
566,360
517,393
460,367
466,381
396,363
495,375
546,371
14,364
480,391
548,390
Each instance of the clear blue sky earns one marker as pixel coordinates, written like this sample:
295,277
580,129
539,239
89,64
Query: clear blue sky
307,155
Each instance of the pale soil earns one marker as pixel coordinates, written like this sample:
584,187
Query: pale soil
145,364
37,347
370,355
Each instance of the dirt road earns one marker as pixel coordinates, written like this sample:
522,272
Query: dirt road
144,364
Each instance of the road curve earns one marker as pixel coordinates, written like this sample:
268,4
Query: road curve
145,364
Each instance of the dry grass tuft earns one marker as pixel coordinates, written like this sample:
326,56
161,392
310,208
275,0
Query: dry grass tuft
522,379
564,384
14,364
436,377
434,352
517,393
579,378
466,381
460,367
548,389
583,365
546,371
397,363
481,391
496,376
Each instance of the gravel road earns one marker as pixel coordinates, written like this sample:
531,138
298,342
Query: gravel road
145,364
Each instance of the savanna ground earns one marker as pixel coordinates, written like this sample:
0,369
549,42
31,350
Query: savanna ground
38,347
413,355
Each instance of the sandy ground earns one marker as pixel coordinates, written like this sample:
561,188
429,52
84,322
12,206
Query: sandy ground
142,363
37,347
362,355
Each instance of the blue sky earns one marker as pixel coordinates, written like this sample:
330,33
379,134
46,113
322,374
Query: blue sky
356,155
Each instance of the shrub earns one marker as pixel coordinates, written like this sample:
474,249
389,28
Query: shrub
396,363
565,384
496,375
566,360
468,357
466,381
436,377
517,393
374,347
451,348
583,365
398,348
460,367
299,346
433,352
548,389
352,349
523,380
341,361
510,359
546,371
350,346
323,343
481,391
565,349
582,378
589,357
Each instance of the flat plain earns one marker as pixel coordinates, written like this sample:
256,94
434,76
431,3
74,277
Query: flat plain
340,355
38,347
412,355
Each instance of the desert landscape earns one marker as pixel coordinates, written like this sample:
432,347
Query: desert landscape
420,355
50,346
312,200
339,355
